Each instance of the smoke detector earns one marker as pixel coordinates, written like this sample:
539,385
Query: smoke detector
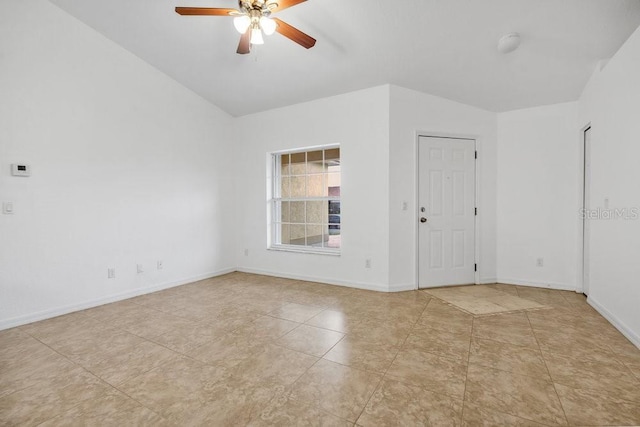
508,42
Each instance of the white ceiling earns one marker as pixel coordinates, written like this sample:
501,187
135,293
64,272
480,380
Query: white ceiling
442,47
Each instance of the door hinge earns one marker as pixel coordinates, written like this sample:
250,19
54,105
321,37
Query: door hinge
476,211
476,154
475,267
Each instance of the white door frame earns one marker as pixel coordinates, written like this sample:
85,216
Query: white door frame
583,225
416,216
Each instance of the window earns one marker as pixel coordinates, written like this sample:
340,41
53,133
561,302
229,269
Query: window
305,202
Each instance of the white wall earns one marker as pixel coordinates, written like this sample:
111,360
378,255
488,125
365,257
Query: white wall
611,103
539,196
128,167
411,113
359,122
377,131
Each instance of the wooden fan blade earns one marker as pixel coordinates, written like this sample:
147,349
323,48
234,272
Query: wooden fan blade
214,11
243,46
279,5
294,34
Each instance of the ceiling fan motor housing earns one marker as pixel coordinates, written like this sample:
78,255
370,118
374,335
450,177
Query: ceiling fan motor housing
264,6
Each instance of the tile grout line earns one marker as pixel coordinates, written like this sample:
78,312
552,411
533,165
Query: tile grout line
596,390
466,378
109,385
71,361
266,341
616,356
549,372
384,374
522,347
501,370
333,346
288,388
146,339
287,391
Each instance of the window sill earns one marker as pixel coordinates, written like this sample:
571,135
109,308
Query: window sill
304,250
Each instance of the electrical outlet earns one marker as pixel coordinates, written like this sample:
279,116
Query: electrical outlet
367,263
246,252
159,265
404,206
7,208
111,273
139,268
540,262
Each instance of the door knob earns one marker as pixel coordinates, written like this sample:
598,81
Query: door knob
423,219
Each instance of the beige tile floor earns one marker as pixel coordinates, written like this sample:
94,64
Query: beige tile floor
479,300
252,350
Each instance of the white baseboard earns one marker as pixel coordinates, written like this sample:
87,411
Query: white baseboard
549,285
624,329
59,311
348,284
413,287
402,287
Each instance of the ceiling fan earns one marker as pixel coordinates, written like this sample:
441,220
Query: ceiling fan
252,18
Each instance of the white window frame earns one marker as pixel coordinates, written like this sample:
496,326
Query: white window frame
274,196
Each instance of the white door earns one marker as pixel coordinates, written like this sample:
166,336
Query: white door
446,203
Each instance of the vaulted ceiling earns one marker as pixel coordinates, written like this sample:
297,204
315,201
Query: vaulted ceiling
442,47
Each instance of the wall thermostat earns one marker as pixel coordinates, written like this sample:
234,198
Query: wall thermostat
20,170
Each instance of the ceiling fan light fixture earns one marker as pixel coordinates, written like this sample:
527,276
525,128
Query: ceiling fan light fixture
242,23
251,18
268,25
256,35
